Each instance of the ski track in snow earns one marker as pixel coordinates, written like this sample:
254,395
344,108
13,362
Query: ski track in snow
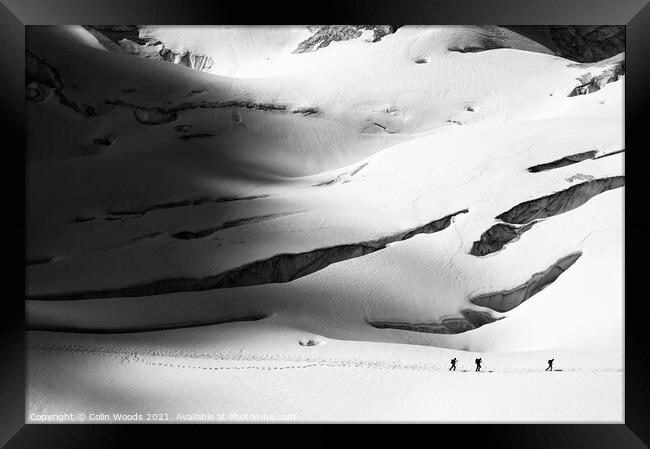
309,362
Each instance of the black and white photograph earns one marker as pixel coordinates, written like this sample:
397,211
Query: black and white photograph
324,223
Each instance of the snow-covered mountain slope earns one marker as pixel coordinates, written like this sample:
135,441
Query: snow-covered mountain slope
451,187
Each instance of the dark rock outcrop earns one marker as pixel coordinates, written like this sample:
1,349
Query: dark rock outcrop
326,34
581,43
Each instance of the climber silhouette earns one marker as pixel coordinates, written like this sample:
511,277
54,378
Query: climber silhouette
453,364
550,365
478,364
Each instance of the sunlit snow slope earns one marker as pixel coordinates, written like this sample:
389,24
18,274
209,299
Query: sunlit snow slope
453,187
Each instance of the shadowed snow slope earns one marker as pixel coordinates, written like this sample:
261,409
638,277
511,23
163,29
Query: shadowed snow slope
452,159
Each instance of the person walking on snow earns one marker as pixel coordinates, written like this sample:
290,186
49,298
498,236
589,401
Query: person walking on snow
478,364
453,364
550,365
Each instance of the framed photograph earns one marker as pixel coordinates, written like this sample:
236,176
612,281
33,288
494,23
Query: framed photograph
232,216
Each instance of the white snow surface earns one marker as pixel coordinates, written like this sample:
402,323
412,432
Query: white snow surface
395,145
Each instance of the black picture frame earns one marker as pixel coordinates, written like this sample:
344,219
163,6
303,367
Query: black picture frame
635,14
